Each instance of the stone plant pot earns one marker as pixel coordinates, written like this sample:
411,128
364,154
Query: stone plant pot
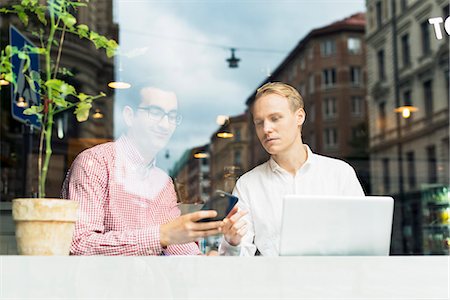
44,226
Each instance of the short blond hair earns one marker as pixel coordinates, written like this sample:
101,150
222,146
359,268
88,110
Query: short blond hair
282,89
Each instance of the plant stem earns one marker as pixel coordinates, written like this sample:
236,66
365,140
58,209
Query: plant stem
41,147
59,50
48,151
49,114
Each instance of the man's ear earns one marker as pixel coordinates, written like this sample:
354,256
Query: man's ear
128,116
301,116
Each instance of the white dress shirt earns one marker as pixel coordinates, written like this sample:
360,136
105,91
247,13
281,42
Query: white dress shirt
261,193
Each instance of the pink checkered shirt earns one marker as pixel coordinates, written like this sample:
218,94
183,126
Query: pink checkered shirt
122,203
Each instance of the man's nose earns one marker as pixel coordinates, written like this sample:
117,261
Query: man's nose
268,128
164,122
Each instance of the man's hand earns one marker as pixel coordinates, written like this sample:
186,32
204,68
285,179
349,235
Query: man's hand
234,227
184,229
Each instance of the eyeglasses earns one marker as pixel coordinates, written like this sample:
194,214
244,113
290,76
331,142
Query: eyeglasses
156,114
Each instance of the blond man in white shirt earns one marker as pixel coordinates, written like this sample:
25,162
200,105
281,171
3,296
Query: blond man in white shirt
278,114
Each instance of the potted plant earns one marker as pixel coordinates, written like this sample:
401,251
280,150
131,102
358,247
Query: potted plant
45,226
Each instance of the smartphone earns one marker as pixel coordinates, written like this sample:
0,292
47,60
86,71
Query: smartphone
221,202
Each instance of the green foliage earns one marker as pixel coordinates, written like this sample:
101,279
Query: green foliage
56,19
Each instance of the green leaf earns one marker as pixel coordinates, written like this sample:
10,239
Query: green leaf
111,48
34,110
29,3
60,86
65,71
40,13
82,111
83,31
23,17
22,55
113,44
31,83
54,84
36,50
10,77
68,19
40,50
77,4
82,96
60,101
67,89
110,53
8,50
83,27
27,64
93,36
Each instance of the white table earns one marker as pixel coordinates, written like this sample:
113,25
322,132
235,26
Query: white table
397,277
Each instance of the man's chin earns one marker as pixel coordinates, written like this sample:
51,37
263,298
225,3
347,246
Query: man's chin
271,150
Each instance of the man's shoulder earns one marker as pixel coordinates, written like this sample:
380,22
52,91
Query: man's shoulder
331,162
256,172
105,150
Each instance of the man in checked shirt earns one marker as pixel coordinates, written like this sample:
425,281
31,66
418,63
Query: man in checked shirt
128,205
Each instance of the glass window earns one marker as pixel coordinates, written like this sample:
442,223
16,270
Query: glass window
237,158
312,112
407,98
411,169
302,89
311,84
405,50
329,108
302,63
379,16
183,46
404,5
357,105
355,76
311,52
386,175
237,134
432,164
445,12
330,137
382,117
354,45
328,47
426,42
328,78
380,61
428,98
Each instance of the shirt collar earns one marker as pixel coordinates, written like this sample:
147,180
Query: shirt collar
309,160
131,153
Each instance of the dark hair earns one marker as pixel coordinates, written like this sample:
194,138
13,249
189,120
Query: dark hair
132,96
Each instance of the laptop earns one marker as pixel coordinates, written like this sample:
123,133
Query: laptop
331,225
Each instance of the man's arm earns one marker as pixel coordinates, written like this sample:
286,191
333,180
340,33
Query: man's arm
352,186
87,183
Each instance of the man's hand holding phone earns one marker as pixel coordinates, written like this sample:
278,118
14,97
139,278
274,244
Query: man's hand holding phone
219,215
186,228
234,227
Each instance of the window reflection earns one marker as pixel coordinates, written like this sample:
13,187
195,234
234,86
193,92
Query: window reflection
343,67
